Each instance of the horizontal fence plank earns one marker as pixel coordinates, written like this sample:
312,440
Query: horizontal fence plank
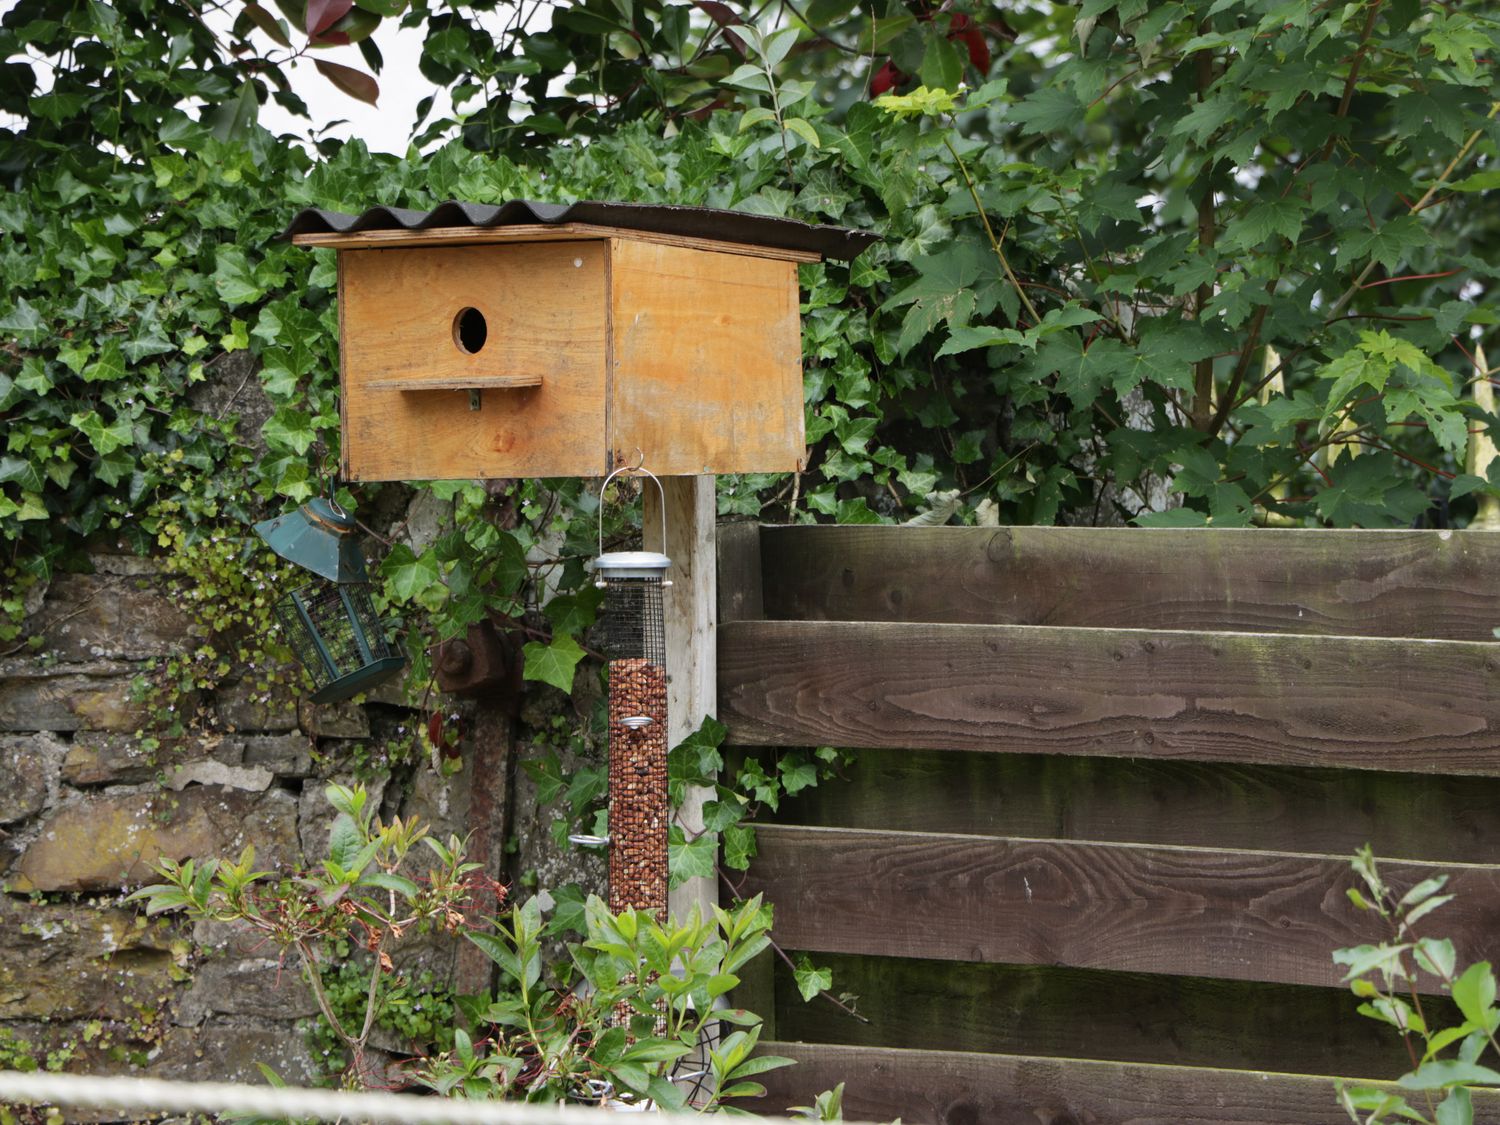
1266,916
1139,801
950,1088
1091,1013
1417,706
1370,583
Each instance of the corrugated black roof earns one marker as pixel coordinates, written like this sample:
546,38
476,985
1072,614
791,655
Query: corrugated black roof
695,222
658,218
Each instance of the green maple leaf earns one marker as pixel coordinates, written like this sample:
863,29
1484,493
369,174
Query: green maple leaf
1389,243
1046,110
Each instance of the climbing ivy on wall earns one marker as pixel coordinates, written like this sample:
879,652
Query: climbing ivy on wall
1218,261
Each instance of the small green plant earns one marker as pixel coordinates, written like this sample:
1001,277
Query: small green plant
614,1022
367,893
1384,976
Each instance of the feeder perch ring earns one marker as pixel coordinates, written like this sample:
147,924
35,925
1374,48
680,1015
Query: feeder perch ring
585,841
636,722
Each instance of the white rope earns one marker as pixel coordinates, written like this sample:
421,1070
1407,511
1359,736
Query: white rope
154,1095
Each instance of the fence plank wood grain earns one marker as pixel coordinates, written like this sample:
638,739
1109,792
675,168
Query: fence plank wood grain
1368,583
1267,916
1141,801
1418,706
949,1088
1094,1014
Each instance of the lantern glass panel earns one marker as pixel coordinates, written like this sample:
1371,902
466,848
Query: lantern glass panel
337,636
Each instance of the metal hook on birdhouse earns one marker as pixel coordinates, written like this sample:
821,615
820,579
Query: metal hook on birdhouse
638,467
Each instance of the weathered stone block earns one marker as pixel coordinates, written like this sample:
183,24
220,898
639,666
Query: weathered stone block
73,961
263,988
89,617
285,755
240,707
100,841
252,779
29,766
333,720
230,1052
67,697
100,758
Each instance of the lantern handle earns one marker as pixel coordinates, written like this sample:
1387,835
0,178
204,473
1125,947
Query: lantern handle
638,467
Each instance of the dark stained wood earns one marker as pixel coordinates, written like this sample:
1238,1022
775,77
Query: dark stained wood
1267,916
739,572
1093,1014
1417,706
1377,583
1139,801
942,1088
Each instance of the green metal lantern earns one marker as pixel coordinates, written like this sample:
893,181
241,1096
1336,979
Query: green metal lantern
331,623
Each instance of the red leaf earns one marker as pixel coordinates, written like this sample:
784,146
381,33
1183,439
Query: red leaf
267,23
886,79
725,17
435,728
323,14
355,83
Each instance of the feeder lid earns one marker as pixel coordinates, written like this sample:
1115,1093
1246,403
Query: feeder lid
318,536
631,564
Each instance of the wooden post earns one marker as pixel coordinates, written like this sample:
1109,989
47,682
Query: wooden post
690,619
489,755
742,598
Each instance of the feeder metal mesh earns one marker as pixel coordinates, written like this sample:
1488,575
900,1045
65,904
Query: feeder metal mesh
333,629
631,626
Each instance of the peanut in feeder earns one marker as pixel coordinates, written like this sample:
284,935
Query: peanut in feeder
633,635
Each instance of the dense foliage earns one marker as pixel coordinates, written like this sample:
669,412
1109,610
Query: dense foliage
1170,263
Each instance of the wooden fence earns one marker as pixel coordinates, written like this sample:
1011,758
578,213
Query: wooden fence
1090,862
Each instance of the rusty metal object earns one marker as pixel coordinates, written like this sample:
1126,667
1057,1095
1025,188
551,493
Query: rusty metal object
485,663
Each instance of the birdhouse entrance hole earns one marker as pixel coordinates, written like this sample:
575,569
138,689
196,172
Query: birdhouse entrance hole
470,330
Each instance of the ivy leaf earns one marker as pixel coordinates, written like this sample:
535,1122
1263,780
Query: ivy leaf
108,367
234,279
573,613
20,471
689,859
23,322
739,846
289,428
811,980
508,569
407,574
552,663
104,438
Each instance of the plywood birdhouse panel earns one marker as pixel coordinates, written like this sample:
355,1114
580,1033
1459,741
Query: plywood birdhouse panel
506,348
707,360
521,331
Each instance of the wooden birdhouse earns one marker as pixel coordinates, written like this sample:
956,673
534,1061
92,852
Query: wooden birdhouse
536,340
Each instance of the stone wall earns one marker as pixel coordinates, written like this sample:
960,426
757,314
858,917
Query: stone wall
87,981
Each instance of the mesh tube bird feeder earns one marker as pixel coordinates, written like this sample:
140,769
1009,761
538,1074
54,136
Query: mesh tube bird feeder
633,636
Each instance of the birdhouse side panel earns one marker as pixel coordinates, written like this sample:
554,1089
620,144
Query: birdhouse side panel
707,361
518,331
